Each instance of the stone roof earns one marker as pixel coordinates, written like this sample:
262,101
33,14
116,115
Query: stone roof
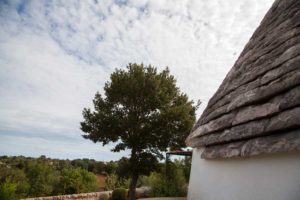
257,107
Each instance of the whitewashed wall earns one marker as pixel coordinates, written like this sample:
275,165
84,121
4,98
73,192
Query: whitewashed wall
268,177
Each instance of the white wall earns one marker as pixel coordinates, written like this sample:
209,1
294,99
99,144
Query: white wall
268,177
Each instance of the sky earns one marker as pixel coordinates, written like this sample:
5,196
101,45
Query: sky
55,55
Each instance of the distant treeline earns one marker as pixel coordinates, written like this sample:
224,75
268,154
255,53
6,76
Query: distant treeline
32,177
22,177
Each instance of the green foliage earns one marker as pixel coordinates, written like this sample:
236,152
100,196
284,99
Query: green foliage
62,164
77,180
172,184
111,167
89,181
99,167
113,181
40,176
119,194
89,164
157,183
32,177
103,196
8,190
185,164
144,111
176,184
123,169
19,178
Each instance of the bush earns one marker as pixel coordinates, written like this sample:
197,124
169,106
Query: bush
176,184
77,180
172,184
113,181
8,190
17,177
119,194
40,177
103,196
156,181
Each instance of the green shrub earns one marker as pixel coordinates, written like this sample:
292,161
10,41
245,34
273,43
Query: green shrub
103,196
40,177
156,181
77,180
17,177
176,184
173,184
119,194
8,190
113,181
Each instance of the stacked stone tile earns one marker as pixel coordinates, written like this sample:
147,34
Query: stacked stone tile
256,109
82,196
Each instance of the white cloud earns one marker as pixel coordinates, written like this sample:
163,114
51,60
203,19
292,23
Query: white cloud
55,55
42,84
34,146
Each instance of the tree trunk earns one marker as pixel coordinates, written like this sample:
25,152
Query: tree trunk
134,175
132,186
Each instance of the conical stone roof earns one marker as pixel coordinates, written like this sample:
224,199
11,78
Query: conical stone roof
256,109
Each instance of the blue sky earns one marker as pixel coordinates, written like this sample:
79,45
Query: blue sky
55,55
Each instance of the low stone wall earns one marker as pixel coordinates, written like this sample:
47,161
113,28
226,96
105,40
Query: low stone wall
140,193
82,196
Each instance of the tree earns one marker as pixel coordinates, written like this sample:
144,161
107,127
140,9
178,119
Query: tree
111,167
145,112
123,169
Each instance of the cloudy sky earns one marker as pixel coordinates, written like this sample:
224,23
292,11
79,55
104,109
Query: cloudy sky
55,55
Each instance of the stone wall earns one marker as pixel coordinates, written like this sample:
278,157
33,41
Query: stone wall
82,196
141,192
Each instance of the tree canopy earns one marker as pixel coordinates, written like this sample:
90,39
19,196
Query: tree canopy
143,111
22,177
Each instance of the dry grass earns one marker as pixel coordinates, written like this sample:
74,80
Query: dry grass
101,181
